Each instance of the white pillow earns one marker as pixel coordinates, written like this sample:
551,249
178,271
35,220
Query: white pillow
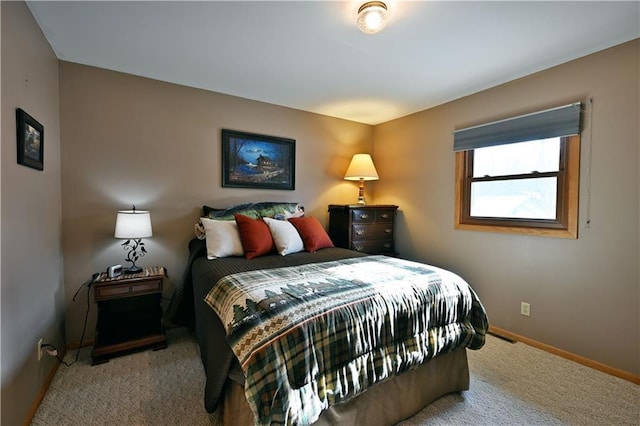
299,212
285,236
223,238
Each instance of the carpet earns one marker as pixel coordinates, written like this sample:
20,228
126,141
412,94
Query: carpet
511,384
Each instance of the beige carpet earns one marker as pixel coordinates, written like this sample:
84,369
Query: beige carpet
511,384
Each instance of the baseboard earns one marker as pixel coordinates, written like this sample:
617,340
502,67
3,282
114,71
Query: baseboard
501,336
567,355
43,390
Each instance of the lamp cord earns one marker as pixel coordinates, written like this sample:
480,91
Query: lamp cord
54,350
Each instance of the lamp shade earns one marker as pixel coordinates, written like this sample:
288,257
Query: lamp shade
361,167
133,224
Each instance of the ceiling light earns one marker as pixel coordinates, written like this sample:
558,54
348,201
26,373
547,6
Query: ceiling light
372,17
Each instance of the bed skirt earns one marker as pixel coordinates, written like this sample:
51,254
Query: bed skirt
384,404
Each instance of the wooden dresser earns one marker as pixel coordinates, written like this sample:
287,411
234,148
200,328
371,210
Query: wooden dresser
364,228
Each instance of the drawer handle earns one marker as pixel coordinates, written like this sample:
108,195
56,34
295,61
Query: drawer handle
364,216
130,289
385,215
388,230
388,245
358,248
359,232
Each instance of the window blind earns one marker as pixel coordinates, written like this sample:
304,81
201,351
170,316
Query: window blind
554,122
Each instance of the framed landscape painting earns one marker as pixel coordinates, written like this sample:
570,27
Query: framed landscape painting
30,135
251,160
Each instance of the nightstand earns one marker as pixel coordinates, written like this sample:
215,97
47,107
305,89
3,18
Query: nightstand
129,313
364,228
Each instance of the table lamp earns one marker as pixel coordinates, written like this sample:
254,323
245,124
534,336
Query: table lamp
133,225
361,168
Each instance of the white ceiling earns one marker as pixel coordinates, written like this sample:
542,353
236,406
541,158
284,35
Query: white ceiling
309,55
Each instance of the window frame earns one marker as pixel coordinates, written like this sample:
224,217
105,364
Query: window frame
566,223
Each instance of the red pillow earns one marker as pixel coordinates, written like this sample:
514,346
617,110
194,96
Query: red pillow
254,235
312,233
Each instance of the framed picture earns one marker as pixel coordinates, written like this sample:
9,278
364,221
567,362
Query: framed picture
30,140
257,161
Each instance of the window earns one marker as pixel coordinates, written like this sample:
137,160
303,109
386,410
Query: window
525,184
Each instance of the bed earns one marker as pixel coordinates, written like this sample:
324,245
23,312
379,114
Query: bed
326,337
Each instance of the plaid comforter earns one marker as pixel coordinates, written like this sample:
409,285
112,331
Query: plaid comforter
312,336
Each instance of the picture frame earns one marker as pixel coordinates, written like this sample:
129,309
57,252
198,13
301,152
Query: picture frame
30,136
251,160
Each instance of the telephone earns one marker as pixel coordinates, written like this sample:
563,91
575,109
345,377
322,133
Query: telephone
114,271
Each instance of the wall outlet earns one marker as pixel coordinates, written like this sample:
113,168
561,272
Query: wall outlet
39,349
525,309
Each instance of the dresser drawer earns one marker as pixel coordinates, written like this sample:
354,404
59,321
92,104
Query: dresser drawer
385,216
373,246
112,291
363,216
374,231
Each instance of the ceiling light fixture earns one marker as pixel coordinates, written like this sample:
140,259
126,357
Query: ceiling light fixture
372,17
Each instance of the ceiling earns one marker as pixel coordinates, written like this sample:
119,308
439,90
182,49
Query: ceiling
309,55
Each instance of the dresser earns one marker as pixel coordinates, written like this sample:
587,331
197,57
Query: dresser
364,228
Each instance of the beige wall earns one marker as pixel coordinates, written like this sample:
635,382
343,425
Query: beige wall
130,140
32,285
584,293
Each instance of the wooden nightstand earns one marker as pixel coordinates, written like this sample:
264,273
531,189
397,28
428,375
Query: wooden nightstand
364,228
129,313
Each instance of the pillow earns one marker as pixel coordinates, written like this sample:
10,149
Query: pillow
228,213
313,234
199,230
278,210
223,238
288,215
255,236
206,210
285,236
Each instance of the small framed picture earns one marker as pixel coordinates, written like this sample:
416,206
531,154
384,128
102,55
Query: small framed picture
250,160
30,140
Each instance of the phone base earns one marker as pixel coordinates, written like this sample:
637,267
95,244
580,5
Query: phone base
132,270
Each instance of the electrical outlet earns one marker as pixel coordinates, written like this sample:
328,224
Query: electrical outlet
525,309
39,349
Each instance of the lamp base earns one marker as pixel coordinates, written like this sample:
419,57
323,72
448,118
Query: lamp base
361,192
132,270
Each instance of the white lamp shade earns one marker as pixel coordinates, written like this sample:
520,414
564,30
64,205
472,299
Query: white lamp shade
361,167
133,224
